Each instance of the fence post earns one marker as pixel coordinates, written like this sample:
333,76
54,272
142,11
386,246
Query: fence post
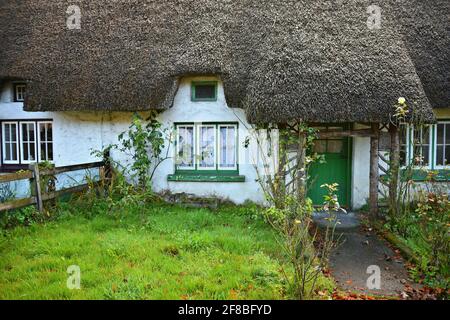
36,186
107,167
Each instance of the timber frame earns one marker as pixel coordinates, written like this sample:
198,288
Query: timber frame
373,132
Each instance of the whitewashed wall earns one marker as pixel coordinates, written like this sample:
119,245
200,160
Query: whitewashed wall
76,134
360,171
185,110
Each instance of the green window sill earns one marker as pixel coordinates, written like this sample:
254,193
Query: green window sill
195,177
442,175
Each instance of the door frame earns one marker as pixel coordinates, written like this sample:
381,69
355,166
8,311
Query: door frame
348,191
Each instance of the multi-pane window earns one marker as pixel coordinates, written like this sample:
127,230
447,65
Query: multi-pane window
19,92
45,141
204,91
404,136
227,146
28,142
25,142
443,144
10,145
425,146
421,139
331,145
206,147
185,147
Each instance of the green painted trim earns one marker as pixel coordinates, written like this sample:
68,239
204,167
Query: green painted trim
348,153
433,146
193,177
207,172
443,175
195,83
215,175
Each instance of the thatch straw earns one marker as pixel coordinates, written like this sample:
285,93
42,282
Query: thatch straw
281,60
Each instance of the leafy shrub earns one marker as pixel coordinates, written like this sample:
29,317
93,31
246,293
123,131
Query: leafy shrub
17,217
6,192
433,217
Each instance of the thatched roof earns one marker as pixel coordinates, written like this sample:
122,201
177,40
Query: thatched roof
426,26
280,60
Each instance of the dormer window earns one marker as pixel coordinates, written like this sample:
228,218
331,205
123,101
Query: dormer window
204,91
19,92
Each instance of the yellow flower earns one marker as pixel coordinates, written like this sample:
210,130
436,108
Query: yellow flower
401,100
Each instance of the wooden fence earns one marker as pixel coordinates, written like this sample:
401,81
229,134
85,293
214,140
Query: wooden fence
38,196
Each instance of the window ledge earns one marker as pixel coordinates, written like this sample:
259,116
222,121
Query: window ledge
418,175
205,178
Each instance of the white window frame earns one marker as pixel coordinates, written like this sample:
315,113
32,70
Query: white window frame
214,167
179,167
17,141
46,141
410,148
16,92
219,149
407,144
435,165
22,160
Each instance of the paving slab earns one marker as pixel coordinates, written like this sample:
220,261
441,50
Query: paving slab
359,251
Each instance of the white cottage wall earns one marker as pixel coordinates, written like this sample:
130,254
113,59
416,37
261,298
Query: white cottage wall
76,134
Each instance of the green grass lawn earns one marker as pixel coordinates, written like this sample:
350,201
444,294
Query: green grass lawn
145,252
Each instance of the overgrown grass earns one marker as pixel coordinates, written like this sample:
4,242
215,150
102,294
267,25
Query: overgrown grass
146,251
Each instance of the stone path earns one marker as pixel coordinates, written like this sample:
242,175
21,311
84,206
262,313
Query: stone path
360,249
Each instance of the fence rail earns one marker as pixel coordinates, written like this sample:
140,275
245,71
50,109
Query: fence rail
38,196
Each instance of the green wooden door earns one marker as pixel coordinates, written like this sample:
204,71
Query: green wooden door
335,169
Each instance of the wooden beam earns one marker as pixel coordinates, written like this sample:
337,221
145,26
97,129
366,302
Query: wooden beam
17,204
280,181
15,176
76,167
382,158
346,133
394,161
374,176
301,163
382,169
75,189
36,183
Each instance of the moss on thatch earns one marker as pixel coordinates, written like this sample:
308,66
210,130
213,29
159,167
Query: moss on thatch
280,60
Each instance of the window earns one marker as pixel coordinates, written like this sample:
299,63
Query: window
215,147
415,145
28,142
45,141
421,141
330,145
425,146
25,142
227,147
185,147
10,146
442,144
204,91
19,92
404,138
207,147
